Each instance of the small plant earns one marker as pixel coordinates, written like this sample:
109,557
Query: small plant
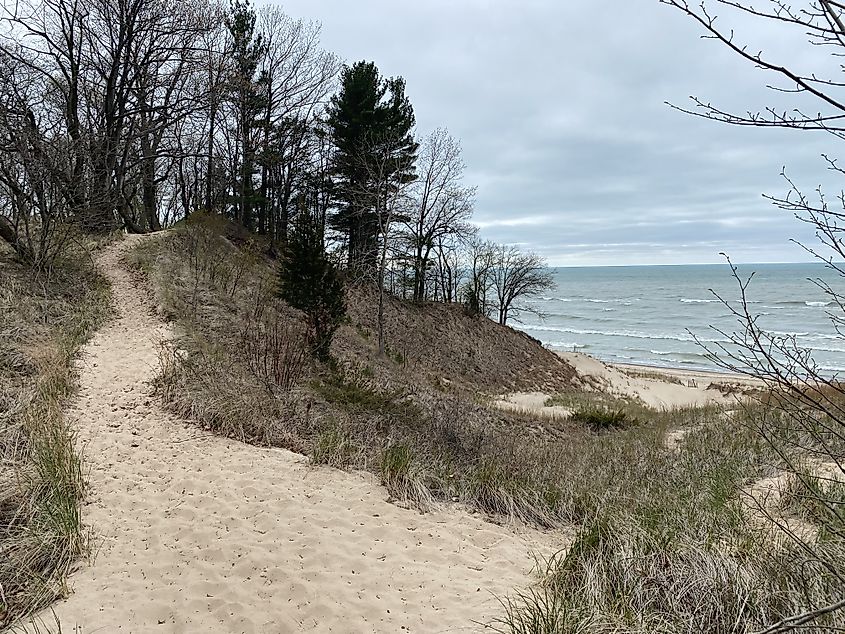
538,610
396,465
599,420
494,487
274,350
351,393
403,478
334,447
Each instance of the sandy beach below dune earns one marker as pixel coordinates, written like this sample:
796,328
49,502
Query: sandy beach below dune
194,532
688,376
661,388
657,387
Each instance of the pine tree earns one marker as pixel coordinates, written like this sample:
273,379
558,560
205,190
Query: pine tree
248,98
370,120
309,281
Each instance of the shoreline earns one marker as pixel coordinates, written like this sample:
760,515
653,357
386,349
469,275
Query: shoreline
658,386
722,375
663,370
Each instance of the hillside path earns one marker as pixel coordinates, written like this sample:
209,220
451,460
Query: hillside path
197,533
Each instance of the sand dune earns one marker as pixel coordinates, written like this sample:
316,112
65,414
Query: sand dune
200,533
660,388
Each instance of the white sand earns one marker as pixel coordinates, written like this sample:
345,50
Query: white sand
763,500
531,402
197,533
657,387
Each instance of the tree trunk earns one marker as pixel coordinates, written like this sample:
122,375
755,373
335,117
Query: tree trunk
419,274
263,206
381,344
209,177
148,186
9,235
381,270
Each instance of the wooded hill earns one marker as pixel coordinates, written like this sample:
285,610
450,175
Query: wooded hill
136,114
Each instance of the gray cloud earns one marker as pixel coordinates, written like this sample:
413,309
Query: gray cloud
560,108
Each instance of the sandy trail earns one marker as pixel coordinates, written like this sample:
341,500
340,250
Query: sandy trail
197,533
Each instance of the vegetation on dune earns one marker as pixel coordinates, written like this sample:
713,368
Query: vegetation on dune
691,546
308,211
310,282
351,411
45,320
666,540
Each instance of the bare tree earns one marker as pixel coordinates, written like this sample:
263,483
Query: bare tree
480,258
43,45
389,200
442,205
38,159
449,270
517,275
118,77
216,54
136,112
299,76
165,94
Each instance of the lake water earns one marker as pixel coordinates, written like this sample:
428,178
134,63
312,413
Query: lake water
649,314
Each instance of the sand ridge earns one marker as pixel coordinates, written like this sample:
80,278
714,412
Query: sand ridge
659,388
199,533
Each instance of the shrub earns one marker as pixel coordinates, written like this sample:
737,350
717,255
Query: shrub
334,447
310,282
396,466
274,350
599,420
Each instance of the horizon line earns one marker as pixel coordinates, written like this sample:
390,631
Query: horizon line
589,266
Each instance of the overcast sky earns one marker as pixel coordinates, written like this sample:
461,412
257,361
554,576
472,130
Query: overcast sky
560,109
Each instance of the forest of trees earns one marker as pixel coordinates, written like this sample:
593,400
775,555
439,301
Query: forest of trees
136,114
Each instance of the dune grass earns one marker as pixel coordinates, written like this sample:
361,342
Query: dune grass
677,547
664,541
353,414
45,321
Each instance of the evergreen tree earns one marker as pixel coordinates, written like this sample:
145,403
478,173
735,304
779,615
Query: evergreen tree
370,120
309,281
248,98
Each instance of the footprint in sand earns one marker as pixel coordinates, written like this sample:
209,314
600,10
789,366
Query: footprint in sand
196,533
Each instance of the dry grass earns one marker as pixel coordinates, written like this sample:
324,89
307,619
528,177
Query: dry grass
665,543
45,321
444,346
675,546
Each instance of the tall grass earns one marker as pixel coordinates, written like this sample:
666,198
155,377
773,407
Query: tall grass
679,552
665,541
41,530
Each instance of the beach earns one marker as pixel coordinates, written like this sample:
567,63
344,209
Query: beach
654,386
